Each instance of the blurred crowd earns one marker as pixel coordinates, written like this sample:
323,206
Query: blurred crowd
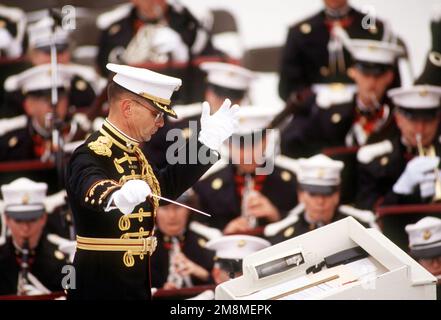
357,134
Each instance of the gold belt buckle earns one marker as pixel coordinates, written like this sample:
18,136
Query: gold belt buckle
149,245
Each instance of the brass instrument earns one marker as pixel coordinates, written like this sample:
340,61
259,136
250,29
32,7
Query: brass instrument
23,279
430,152
173,276
248,190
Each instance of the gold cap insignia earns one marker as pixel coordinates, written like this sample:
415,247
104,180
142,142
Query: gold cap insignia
25,199
217,183
241,243
427,234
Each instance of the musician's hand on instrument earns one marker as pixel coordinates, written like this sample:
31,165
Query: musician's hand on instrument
186,267
260,206
132,193
237,225
30,290
418,170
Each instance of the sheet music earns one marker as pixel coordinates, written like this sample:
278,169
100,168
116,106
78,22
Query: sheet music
361,270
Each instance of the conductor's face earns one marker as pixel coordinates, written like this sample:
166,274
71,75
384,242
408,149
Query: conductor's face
144,120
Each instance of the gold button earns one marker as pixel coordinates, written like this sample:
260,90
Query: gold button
336,118
373,30
186,133
324,71
12,142
81,85
59,255
285,175
2,24
384,161
217,183
114,29
288,232
305,28
202,242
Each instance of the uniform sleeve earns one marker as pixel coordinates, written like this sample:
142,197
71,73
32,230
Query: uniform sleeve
88,184
194,161
291,68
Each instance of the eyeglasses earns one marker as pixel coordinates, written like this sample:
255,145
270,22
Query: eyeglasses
158,115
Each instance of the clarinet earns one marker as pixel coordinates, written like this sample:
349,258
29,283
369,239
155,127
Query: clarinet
173,276
248,190
24,270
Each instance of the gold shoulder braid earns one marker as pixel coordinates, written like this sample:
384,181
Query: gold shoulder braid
101,146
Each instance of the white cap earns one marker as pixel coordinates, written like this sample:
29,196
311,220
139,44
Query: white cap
228,75
416,97
148,84
236,247
39,78
425,237
319,174
40,33
375,51
23,198
254,118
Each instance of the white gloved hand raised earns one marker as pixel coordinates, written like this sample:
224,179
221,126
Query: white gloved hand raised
167,40
216,128
132,193
419,170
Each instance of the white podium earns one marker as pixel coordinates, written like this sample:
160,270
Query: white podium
279,272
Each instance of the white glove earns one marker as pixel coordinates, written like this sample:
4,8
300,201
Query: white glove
419,170
216,128
167,40
132,193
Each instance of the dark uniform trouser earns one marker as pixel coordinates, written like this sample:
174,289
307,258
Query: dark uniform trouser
103,275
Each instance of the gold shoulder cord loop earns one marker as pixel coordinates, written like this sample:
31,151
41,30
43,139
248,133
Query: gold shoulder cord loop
149,176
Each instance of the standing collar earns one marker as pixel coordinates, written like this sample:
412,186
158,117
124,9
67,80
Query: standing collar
121,139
